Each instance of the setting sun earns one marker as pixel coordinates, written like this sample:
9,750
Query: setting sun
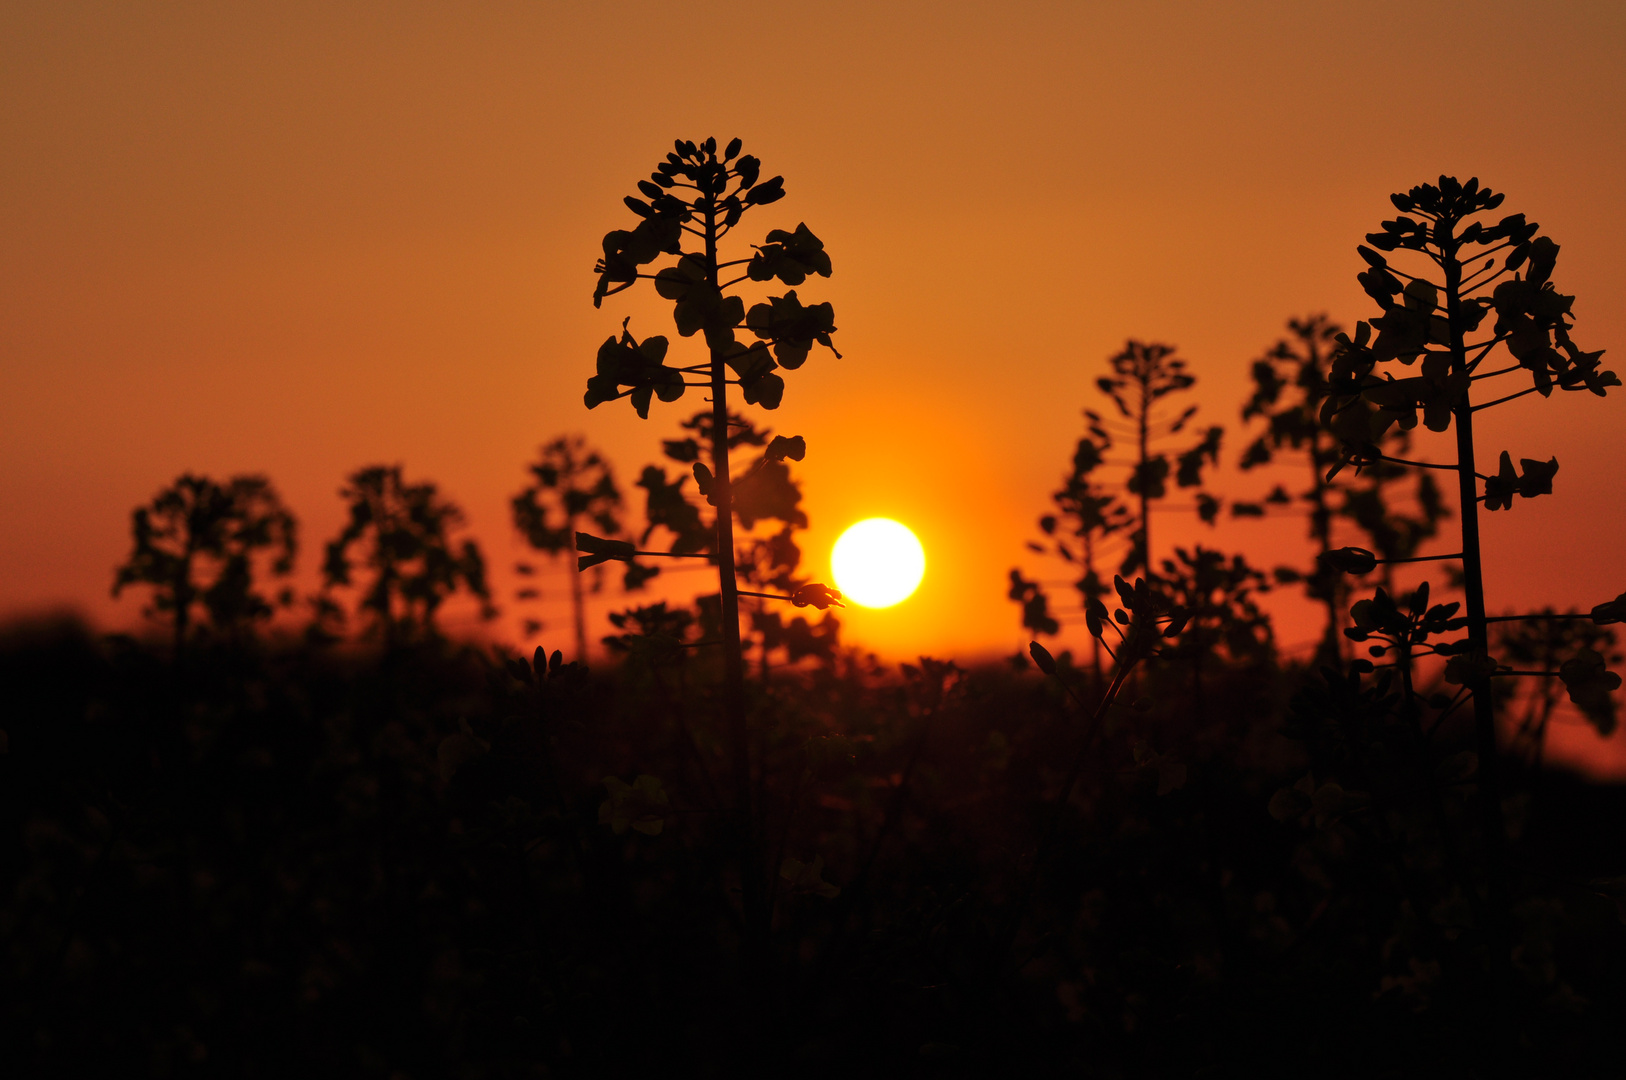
877,563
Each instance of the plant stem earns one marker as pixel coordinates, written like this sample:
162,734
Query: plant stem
1145,498
1536,617
1498,940
578,603
753,890
1332,643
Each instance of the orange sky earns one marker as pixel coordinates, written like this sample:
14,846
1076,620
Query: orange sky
300,238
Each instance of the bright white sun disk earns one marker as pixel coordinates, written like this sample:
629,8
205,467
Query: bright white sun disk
877,563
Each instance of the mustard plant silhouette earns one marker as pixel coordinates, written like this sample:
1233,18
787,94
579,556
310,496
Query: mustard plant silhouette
196,545
1397,522
398,551
1289,387
1547,641
691,203
1143,375
764,491
1225,621
1087,517
572,486
1456,277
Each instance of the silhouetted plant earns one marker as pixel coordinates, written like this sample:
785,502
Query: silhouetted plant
1087,516
573,485
653,632
1396,524
1428,318
1550,641
1225,621
697,197
1143,374
196,545
763,491
1377,786
1035,604
1290,385
399,542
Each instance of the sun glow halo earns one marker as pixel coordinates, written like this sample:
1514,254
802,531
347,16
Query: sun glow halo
877,563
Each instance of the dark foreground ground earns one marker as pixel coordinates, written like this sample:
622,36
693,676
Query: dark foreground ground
312,862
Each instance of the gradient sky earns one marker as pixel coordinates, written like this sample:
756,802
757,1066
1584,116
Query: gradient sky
298,238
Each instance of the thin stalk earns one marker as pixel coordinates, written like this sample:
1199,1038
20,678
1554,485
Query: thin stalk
1544,618
1510,397
1089,577
1498,940
1419,464
1142,437
1321,528
764,595
578,604
753,890
1423,558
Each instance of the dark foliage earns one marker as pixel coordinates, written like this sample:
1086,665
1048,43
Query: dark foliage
433,863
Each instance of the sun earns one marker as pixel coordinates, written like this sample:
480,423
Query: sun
877,563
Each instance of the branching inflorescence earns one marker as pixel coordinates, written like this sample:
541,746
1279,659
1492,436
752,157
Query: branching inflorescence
1471,291
688,206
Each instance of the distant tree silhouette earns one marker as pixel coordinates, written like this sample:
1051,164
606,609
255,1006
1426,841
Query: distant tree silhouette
697,197
196,545
398,552
1143,374
572,487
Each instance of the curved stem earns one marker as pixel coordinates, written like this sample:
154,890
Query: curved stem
1419,464
1422,558
1510,397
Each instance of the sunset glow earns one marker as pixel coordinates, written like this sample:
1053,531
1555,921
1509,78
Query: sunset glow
878,563
350,239
468,471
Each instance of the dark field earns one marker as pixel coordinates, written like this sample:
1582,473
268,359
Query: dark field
303,860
